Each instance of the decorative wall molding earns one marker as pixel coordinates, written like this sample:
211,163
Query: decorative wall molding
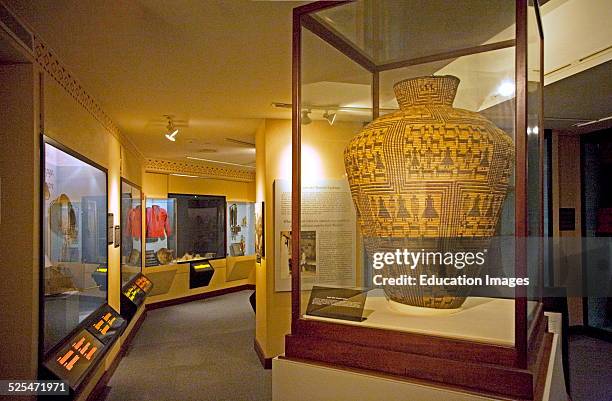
51,64
199,169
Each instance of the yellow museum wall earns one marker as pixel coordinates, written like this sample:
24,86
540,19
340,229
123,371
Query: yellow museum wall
19,219
67,122
322,158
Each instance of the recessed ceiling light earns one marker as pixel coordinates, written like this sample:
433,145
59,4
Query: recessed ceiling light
184,175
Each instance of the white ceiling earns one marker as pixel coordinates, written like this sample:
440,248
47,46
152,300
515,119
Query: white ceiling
219,64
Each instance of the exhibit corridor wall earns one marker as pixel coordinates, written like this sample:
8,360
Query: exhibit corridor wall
323,159
39,104
19,221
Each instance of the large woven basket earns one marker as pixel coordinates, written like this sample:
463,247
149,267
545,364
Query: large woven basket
428,176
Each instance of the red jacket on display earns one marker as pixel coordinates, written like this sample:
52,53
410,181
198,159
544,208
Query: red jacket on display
158,225
133,228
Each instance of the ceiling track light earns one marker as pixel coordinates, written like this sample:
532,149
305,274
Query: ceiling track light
305,117
172,131
330,117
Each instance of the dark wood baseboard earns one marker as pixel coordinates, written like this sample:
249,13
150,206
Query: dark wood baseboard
99,390
197,297
265,362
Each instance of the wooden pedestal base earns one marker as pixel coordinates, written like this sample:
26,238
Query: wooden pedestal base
477,367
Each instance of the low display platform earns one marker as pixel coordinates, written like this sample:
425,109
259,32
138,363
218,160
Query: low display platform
486,320
300,380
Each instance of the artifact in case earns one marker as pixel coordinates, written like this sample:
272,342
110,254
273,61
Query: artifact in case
430,134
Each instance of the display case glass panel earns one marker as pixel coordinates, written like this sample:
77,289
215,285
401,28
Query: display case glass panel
131,231
240,228
74,248
160,225
200,226
416,181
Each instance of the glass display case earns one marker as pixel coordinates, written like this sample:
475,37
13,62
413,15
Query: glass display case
201,226
416,191
240,228
160,225
74,240
131,231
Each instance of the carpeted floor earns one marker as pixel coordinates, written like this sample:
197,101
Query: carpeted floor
201,350
590,368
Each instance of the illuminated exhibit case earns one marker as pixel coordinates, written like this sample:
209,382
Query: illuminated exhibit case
184,227
74,244
443,106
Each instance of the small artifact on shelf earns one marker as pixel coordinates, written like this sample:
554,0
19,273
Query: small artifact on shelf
431,178
134,257
165,256
58,280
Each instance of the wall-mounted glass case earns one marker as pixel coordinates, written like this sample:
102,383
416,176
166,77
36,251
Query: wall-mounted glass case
74,240
131,231
200,226
424,122
160,225
240,228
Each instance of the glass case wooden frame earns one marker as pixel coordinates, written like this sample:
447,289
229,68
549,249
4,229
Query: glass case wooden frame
44,190
125,224
514,372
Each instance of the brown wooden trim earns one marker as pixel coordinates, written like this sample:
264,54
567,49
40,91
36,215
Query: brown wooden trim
265,362
98,391
399,341
296,159
520,207
318,6
197,297
541,371
375,95
447,55
493,379
336,40
538,325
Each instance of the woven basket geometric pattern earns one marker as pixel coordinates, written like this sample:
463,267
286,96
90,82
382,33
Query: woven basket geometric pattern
428,171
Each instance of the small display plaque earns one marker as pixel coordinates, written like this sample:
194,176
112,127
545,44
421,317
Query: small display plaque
200,273
144,283
337,303
75,358
106,324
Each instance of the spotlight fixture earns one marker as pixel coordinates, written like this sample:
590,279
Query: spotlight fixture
330,117
305,117
171,134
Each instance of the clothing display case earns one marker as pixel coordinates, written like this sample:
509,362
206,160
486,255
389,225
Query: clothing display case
74,245
240,228
416,191
131,231
160,225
